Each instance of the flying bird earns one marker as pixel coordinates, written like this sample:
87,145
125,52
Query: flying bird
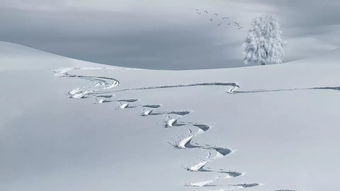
237,24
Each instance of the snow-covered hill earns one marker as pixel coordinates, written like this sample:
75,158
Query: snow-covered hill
72,125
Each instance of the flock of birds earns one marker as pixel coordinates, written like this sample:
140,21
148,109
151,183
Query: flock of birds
219,20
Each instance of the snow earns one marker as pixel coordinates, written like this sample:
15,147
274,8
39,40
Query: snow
124,105
205,183
282,120
198,166
147,112
171,122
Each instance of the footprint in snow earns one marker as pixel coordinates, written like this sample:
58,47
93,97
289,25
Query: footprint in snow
104,96
103,100
221,150
206,183
172,122
245,185
230,174
233,89
200,167
185,142
127,106
149,111
128,100
125,103
180,113
203,127
79,93
146,113
152,106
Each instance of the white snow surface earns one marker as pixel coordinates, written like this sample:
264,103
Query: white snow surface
282,123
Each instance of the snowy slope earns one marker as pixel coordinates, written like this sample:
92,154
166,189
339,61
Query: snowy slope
97,127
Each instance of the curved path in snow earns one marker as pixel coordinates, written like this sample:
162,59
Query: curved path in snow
335,88
101,90
182,86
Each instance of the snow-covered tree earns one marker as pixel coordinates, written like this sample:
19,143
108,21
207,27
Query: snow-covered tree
264,44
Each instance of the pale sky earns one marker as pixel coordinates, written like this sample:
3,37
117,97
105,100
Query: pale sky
162,34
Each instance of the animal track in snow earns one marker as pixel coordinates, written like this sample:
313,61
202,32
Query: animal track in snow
230,174
221,150
336,88
206,183
79,93
180,113
203,127
186,143
104,96
233,88
245,185
200,167
210,183
172,122
124,105
127,106
146,113
102,83
152,106
100,90
181,86
102,100
127,100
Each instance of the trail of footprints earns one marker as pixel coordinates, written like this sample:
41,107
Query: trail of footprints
173,119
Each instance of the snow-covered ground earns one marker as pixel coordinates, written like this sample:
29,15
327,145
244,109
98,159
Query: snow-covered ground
68,125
